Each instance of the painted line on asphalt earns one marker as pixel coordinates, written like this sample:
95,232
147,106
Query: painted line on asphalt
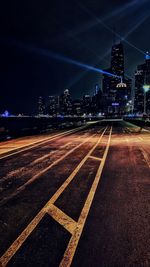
70,178
73,243
38,143
58,215
36,176
11,251
96,158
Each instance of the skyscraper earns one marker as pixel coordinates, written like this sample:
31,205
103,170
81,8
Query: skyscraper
53,105
115,99
41,106
117,59
65,103
142,77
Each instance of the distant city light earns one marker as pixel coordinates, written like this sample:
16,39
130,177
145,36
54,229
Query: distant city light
5,114
115,104
147,56
121,84
146,87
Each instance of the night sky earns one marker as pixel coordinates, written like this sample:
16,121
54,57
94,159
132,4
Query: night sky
31,31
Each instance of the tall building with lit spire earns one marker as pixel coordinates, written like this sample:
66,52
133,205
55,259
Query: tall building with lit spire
115,99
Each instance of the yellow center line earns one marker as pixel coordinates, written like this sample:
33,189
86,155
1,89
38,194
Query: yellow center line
73,243
11,251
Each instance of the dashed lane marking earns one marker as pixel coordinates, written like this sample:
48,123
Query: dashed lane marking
48,208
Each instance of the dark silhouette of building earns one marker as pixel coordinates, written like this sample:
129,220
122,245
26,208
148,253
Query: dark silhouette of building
87,101
97,103
142,77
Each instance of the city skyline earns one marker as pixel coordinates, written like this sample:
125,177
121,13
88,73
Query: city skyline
85,36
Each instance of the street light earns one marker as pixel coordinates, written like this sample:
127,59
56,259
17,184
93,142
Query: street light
146,88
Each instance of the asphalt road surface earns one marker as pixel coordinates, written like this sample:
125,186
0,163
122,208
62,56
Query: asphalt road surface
80,199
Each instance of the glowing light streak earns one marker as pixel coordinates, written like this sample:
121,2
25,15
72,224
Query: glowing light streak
118,35
53,55
125,9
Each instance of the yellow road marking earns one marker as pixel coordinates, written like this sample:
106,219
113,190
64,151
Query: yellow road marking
11,251
21,239
36,176
67,222
70,251
37,143
92,157
69,179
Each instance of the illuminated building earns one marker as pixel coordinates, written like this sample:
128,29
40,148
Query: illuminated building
142,77
41,106
77,107
65,103
116,93
53,105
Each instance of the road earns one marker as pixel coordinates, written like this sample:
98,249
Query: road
77,199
